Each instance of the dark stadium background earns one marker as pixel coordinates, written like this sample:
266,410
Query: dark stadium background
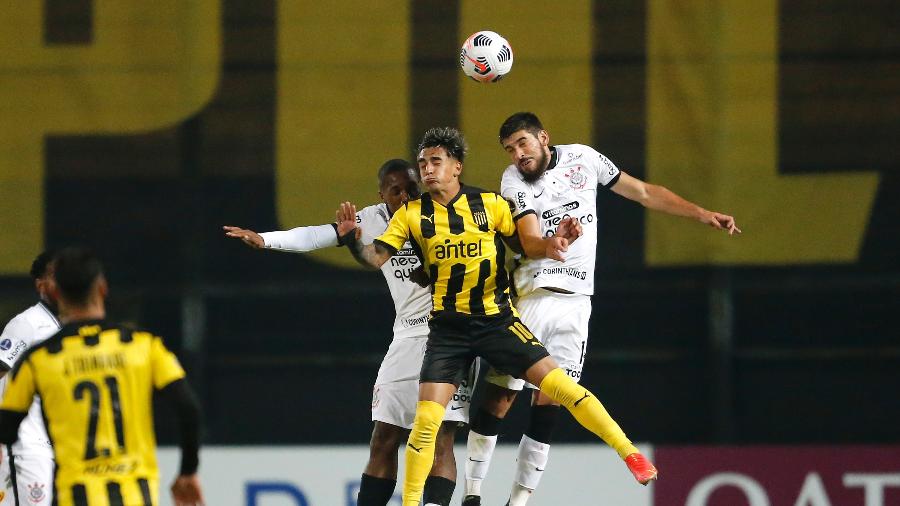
284,349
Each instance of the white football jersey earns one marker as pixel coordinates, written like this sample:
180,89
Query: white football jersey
567,188
412,303
27,329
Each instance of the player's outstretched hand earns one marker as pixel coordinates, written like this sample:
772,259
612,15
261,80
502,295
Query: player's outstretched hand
720,221
346,218
569,229
556,246
249,237
187,491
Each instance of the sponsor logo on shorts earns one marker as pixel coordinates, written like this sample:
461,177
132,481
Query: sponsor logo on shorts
5,344
36,493
413,322
573,373
569,271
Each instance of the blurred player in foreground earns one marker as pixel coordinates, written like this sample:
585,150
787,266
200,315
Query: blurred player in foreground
96,381
457,231
397,385
544,183
26,470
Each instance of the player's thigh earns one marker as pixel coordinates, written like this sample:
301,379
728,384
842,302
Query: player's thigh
561,321
33,480
394,403
449,351
403,360
460,404
509,346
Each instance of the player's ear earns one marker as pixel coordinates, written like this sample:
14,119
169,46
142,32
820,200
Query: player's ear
102,286
544,138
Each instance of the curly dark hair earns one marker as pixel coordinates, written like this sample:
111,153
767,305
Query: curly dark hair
40,264
448,138
397,165
527,121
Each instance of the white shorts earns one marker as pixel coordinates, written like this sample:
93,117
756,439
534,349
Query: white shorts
33,480
396,390
560,322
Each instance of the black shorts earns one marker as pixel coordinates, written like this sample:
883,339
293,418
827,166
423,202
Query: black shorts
455,340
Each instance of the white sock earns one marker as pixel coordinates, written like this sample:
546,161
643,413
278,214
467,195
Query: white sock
532,459
479,450
519,495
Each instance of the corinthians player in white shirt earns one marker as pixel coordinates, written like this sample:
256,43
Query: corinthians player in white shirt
26,471
397,385
545,184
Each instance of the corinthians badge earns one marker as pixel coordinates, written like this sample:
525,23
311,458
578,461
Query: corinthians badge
577,179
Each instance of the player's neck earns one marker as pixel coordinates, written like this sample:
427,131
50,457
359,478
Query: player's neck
443,196
82,313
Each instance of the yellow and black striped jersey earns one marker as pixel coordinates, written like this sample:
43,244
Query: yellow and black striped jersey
460,248
96,383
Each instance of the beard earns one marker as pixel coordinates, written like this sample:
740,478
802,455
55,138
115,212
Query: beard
541,163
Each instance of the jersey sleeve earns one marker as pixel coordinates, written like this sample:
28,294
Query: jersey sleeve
518,195
17,336
20,389
163,364
397,232
503,220
607,172
301,238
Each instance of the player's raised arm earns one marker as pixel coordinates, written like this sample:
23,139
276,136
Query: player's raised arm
368,255
299,239
660,198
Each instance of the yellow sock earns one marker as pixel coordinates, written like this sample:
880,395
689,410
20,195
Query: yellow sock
585,407
420,450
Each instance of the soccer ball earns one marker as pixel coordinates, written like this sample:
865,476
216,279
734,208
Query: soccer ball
486,56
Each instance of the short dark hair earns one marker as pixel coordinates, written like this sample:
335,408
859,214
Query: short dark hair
77,269
527,121
448,138
396,165
40,264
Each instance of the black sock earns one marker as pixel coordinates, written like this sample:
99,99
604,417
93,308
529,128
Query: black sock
375,491
438,490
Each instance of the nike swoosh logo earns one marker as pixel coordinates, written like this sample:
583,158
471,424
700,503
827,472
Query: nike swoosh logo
475,460
586,395
539,469
539,194
454,408
418,450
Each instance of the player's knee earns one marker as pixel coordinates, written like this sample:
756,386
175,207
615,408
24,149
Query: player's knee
386,438
429,415
543,422
497,400
485,423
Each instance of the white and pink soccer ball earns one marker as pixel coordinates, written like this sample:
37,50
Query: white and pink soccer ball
486,56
